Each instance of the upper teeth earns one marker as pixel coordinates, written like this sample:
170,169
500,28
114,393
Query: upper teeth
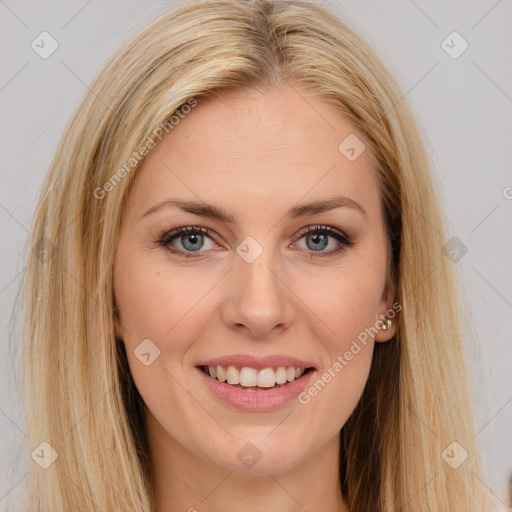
248,377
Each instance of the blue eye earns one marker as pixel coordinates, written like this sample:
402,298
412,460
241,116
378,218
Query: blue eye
317,239
192,239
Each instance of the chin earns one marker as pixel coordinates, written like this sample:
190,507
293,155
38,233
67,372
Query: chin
259,455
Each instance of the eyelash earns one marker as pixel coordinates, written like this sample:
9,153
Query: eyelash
166,239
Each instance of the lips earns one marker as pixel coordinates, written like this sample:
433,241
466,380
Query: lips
255,372
256,383
270,361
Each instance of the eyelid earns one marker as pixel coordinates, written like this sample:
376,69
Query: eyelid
325,228
175,233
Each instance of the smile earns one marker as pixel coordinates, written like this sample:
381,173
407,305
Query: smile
257,390
253,379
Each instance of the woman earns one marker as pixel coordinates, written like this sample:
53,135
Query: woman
238,294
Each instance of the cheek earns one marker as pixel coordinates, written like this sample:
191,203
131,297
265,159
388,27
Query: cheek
346,303
159,316
154,303
344,310
337,388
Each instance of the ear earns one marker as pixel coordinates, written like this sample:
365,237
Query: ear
387,318
383,320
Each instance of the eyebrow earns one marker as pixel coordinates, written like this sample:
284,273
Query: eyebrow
219,213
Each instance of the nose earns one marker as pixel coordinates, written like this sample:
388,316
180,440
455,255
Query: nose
258,300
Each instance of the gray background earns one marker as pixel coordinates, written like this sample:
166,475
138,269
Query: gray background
464,107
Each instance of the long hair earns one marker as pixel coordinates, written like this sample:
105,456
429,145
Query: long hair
79,394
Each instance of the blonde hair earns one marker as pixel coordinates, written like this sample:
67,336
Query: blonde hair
80,396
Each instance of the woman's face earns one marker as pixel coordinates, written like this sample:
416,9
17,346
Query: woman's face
267,276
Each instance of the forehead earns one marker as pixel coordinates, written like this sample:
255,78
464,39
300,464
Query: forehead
252,147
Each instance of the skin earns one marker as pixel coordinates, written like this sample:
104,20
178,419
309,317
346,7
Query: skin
256,154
